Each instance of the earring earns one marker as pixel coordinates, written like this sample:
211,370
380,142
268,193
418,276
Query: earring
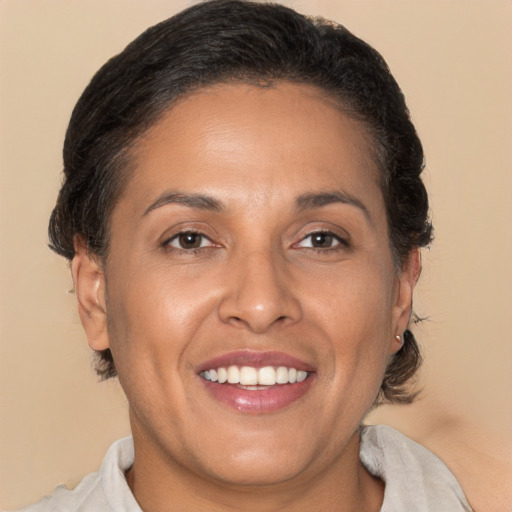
400,339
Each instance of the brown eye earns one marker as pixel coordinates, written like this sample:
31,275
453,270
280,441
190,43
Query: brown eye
322,240
189,240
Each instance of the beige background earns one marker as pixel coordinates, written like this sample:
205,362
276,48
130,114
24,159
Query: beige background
453,61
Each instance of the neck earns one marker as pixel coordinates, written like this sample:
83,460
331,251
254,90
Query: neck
161,483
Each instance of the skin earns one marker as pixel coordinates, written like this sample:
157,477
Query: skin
255,283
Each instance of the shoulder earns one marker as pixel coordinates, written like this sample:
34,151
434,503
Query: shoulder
103,491
64,499
415,478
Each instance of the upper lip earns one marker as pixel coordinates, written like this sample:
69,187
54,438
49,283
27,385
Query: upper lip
256,359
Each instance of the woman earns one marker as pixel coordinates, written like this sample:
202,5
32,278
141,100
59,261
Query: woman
243,210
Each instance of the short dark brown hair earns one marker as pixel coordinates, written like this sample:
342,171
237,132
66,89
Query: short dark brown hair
232,41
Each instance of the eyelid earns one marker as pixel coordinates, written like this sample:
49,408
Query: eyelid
340,241
175,237
325,227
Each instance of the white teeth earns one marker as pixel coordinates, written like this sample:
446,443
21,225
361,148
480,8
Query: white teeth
248,376
233,375
222,374
267,376
301,375
252,378
282,375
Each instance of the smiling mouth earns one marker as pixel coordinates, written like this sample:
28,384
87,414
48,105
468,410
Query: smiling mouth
252,378
257,390
257,382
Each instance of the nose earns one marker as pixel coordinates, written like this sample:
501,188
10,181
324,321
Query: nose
258,294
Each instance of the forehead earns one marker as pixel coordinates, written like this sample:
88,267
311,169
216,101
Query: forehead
281,140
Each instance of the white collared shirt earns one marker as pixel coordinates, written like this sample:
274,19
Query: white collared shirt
415,479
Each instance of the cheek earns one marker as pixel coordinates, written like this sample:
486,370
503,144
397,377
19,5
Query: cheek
355,299
152,328
152,318
356,314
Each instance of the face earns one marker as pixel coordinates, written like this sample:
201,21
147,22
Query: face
250,245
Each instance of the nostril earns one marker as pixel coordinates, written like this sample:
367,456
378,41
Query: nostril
237,321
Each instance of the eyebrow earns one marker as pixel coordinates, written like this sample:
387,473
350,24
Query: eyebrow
303,202
320,199
200,201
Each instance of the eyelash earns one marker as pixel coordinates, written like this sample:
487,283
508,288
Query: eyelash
168,243
340,243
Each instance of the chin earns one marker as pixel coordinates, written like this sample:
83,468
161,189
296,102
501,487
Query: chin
263,460
261,472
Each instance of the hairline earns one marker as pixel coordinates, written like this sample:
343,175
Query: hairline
127,156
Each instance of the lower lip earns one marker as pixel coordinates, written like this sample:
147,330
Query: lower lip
258,401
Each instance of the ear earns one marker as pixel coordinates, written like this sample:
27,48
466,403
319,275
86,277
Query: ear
89,281
402,309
